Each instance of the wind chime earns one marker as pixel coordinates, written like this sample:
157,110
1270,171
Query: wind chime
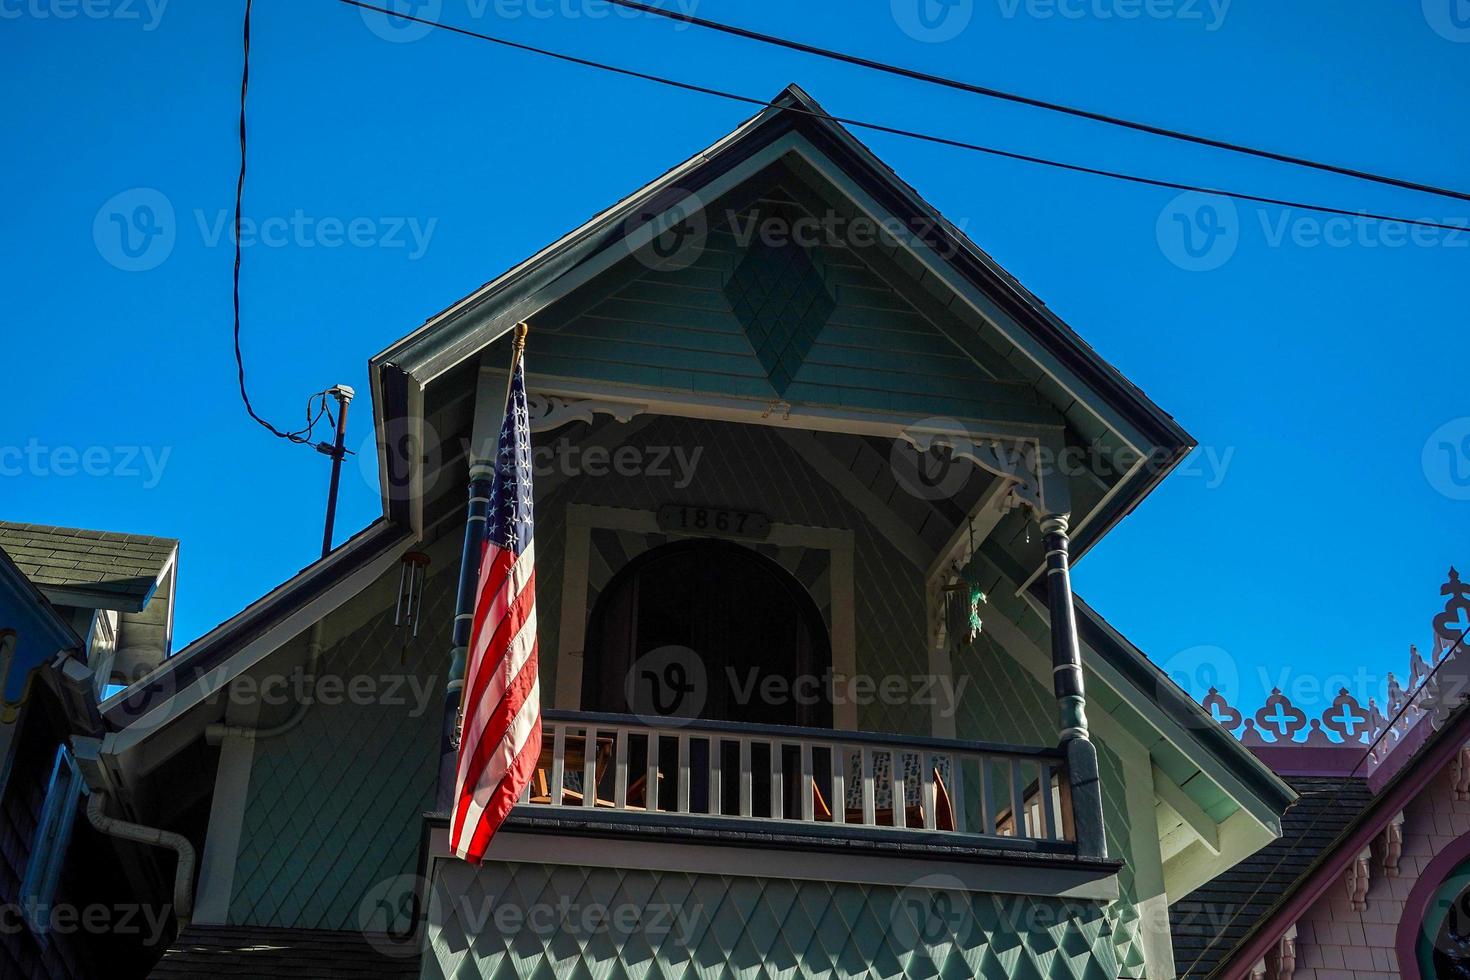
962,601
412,573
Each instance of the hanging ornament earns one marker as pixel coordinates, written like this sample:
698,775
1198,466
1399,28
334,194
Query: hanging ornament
962,601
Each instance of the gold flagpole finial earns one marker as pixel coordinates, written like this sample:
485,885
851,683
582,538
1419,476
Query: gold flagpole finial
521,330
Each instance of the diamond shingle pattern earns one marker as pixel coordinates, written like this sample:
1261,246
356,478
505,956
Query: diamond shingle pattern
777,294
567,922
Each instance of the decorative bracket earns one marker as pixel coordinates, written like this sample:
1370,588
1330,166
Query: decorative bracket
1285,955
1017,461
1358,878
1460,774
1393,845
550,412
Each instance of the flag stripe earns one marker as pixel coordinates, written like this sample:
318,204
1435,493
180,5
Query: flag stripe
489,761
520,772
488,719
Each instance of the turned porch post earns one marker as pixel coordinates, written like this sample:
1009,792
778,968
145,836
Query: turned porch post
1066,658
464,615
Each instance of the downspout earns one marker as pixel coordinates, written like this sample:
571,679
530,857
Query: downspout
155,837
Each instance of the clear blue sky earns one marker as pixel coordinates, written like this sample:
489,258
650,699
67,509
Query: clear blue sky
1317,371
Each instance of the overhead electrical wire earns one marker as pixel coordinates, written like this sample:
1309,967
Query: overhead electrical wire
1036,103
898,131
303,435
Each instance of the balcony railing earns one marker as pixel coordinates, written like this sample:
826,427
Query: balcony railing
814,778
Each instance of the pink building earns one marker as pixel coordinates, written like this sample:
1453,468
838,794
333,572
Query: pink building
1371,878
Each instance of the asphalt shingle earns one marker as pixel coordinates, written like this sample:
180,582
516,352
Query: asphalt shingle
95,561
1208,923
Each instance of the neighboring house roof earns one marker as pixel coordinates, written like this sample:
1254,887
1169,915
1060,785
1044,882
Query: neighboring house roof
267,954
195,671
1211,921
1293,897
97,569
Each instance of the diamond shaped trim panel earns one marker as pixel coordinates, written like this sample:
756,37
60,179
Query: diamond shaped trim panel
777,294
505,921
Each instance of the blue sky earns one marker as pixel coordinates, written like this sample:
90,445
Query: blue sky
1323,369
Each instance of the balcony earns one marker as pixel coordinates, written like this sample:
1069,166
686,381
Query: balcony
732,800
774,781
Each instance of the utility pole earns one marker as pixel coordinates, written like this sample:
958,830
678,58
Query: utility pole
337,451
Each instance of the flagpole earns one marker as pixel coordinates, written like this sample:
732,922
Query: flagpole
481,476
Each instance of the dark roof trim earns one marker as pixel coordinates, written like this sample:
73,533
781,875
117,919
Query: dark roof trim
1327,871
212,649
393,382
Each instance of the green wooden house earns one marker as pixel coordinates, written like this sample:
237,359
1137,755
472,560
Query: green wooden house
818,700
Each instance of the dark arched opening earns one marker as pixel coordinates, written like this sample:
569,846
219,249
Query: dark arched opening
708,629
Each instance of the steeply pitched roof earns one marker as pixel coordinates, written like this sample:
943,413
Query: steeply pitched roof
288,954
95,568
403,371
1208,923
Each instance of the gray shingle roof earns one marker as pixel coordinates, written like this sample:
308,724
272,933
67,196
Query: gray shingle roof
100,563
267,954
1208,923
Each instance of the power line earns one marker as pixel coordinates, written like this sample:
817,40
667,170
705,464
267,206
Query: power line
303,435
897,131
1026,100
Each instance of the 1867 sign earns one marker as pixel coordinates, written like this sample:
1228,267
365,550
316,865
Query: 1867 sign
684,519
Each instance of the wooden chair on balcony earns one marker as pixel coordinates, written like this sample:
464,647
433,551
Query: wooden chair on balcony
574,763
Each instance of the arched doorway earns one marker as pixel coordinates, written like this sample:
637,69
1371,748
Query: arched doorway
709,629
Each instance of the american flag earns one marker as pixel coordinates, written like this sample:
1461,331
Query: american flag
500,738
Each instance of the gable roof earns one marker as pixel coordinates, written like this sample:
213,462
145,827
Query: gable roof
794,124
1209,922
95,569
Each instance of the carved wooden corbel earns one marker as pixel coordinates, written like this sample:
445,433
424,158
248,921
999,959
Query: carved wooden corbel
1393,845
1286,955
1460,774
1358,879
